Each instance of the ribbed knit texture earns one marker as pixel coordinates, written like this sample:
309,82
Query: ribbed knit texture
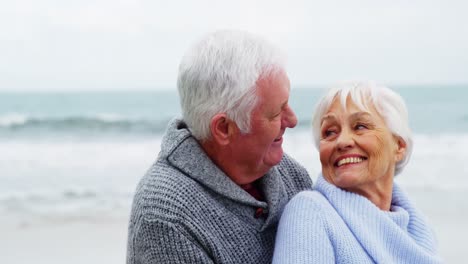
330,225
186,210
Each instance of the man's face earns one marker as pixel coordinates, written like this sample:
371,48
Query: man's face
262,148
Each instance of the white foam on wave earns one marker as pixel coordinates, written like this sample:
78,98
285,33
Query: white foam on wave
17,119
12,119
57,174
111,117
438,162
61,175
73,202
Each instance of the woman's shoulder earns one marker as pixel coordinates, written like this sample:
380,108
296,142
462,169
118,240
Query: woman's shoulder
310,201
311,218
310,196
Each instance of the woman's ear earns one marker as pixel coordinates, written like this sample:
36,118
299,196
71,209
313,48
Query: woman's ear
401,149
221,129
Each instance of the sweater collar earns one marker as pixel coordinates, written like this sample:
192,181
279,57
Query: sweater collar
375,229
184,152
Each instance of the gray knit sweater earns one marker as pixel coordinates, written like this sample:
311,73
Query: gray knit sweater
186,210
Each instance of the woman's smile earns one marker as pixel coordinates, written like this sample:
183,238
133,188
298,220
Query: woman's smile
349,160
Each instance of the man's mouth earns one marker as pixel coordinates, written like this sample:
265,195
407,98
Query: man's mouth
278,139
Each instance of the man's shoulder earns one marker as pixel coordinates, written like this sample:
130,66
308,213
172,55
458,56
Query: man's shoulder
290,164
293,172
165,190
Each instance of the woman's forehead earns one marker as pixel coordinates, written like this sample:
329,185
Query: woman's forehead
347,103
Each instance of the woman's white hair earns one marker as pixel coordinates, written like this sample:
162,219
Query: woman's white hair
219,75
389,105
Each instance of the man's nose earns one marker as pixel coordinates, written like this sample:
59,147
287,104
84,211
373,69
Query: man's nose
290,119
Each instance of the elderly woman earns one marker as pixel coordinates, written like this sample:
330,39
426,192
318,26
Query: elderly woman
356,212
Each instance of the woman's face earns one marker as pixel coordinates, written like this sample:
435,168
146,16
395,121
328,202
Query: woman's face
357,151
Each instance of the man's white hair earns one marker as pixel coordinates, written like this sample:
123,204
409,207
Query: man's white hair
219,75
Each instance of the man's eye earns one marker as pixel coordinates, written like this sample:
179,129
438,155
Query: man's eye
275,116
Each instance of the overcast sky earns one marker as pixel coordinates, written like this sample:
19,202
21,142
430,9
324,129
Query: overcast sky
114,45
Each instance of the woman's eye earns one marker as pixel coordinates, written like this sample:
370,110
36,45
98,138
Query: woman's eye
329,132
360,127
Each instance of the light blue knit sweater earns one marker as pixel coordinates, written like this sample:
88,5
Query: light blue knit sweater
330,225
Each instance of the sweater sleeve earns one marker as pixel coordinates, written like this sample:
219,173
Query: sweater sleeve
157,241
302,233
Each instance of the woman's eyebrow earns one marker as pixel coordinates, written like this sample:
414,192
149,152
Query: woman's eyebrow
328,117
360,115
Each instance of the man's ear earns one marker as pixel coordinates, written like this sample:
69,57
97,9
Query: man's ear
401,149
221,129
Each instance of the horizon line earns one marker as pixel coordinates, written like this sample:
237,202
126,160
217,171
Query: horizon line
168,88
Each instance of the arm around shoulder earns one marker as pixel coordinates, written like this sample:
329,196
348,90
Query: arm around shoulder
158,241
302,235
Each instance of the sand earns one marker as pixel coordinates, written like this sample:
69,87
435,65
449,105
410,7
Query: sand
102,239
90,240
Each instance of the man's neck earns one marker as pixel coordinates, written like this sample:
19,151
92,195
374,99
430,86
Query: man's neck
222,157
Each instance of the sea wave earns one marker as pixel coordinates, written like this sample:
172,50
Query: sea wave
64,202
102,122
19,124
68,176
12,119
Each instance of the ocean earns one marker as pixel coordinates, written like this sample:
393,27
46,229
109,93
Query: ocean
82,153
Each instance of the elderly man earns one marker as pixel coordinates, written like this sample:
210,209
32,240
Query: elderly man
221,180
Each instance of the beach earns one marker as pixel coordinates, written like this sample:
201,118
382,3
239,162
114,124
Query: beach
87,89
97,239
87,233
69,169
102,239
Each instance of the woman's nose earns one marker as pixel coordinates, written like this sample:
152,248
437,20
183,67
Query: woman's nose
345,140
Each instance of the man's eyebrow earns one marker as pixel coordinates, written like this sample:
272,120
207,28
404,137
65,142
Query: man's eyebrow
282,106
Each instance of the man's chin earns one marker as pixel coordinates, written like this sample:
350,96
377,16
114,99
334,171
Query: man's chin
274,158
